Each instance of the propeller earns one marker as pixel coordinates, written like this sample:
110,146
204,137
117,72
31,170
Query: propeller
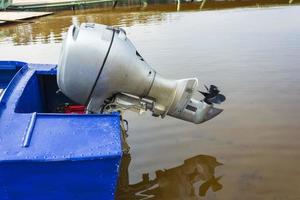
212,95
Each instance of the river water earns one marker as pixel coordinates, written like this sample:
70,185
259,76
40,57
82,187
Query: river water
252,149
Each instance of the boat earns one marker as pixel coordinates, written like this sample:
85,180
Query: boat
49,147
62,135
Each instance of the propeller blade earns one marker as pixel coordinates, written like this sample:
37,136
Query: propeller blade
212,95
213,89
219,98
206,88
205,94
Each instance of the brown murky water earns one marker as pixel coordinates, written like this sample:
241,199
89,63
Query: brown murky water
252,54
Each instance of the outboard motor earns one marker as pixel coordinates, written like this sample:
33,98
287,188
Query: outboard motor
99,67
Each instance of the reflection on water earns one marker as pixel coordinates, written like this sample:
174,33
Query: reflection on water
189,181
51,29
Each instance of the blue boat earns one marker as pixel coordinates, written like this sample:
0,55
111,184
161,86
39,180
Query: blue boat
48,154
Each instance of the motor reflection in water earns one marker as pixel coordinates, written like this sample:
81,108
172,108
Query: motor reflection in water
189,181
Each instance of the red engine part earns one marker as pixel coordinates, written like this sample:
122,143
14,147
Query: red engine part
79,109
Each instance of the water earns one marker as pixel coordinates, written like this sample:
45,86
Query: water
252,54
